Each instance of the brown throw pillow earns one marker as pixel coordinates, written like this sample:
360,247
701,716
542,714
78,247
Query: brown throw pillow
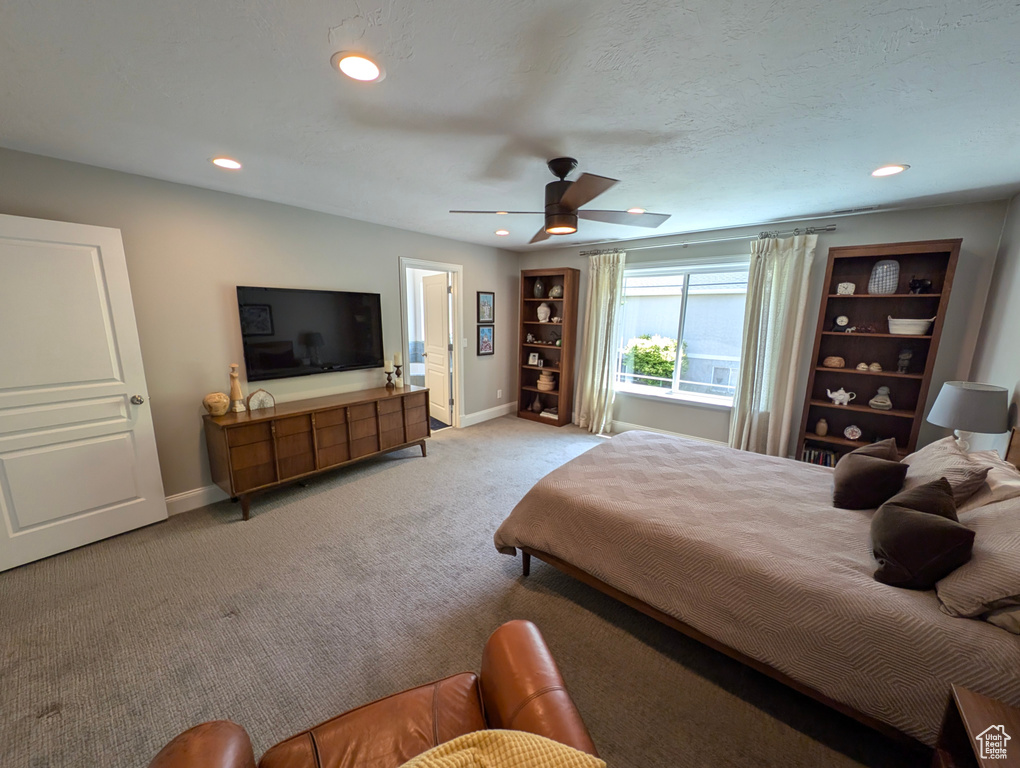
867,477
916,538
935,498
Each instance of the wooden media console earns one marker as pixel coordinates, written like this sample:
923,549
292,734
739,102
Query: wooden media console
259,450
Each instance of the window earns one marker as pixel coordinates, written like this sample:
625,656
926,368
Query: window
681,331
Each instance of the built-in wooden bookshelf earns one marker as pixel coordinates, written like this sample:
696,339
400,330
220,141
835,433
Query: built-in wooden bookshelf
554,343
933,260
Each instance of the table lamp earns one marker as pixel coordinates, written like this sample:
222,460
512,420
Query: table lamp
967,407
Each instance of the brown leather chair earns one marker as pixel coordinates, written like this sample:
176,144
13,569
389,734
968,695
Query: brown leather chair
519,688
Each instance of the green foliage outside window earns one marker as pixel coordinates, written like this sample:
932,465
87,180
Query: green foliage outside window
649,355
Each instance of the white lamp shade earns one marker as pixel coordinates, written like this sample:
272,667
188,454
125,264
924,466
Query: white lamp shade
971,407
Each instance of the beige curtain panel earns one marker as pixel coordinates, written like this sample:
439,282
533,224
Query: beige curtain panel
597,380
777,291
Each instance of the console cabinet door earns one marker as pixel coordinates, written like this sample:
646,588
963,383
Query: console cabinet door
331,437
252,461
364,430
416,416
295,448
391,423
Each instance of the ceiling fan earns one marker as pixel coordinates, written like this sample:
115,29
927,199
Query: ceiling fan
563,200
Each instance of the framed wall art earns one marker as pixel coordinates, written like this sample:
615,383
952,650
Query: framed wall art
486,307
486,344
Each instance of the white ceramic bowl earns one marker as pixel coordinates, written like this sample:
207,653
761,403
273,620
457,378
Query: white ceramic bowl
910,327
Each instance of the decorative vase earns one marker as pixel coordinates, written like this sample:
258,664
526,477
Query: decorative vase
539,291
556,292
536,407
822,428
885,277
833,361
216,403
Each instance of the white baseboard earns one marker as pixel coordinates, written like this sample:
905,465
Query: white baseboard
189,500
622,426
470,419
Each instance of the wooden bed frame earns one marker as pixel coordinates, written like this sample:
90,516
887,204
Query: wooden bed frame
1012,456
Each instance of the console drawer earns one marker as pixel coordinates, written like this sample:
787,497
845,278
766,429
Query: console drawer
364,411
249,433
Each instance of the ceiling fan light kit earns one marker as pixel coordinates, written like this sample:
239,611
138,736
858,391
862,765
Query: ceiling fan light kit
560,223
563,199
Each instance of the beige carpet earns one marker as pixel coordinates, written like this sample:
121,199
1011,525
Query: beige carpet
367,581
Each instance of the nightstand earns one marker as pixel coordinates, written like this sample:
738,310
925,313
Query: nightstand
975,731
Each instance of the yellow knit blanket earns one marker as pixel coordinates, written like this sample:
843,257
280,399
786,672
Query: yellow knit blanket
503,749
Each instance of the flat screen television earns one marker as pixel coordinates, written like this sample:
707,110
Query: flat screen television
290,332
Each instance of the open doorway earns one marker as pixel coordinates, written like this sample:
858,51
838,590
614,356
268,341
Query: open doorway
430,327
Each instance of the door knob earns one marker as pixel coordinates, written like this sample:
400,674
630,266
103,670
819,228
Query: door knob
137,399
424,354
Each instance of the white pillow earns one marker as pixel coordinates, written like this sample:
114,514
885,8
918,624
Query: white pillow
1002,482
943,458
991,580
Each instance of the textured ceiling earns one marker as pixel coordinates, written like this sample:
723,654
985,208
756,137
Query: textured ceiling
720,113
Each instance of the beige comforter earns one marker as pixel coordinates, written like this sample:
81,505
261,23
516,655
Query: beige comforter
748,550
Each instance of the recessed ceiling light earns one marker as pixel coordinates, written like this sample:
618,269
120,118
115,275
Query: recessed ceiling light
502,232
226,162
502,213
889,170
357,66
635,210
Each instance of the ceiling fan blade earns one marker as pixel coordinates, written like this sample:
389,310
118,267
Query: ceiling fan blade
539,236
587,187
506,213
650,220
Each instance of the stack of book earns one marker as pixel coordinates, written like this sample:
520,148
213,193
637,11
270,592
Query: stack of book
550,413
820,456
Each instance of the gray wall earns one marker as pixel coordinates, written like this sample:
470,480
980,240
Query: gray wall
187,249
997,360
979,224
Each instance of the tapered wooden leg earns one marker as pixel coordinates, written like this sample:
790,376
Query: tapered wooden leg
526,563
245,506
423,448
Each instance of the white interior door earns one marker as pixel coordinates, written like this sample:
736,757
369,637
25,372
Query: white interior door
436,301
77,453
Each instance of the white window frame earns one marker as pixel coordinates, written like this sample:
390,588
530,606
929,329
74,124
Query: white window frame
676,268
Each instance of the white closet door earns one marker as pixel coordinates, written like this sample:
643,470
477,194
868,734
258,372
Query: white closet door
77,453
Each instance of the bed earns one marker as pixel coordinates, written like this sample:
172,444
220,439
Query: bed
747,554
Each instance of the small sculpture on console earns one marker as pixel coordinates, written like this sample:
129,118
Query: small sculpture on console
236,396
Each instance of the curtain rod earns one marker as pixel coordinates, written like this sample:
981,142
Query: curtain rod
760,236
